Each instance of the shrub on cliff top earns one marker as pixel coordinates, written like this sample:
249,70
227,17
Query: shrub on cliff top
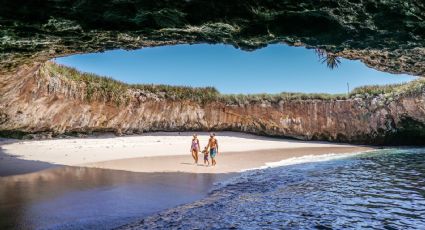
412,88
108,89
96,87
276,98
201,94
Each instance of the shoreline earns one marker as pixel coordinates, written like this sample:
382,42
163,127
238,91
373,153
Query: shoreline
162,152
227,162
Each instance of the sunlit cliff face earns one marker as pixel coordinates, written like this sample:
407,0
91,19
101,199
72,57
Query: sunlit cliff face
47,101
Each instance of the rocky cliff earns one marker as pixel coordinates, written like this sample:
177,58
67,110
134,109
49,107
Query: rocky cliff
385,35
42,101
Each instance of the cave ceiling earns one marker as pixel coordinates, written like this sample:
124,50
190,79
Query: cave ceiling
385,35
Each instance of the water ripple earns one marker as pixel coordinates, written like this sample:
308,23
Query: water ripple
380,190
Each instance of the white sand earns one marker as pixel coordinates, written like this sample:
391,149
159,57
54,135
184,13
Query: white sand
106,148
230,162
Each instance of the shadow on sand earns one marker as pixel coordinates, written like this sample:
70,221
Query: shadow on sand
12,165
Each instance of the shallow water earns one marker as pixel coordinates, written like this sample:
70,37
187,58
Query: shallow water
379,190
89,198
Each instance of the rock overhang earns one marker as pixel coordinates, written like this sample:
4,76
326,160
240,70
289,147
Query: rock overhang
385,35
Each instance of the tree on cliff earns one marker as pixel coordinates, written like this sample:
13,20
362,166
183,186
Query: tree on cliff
332,61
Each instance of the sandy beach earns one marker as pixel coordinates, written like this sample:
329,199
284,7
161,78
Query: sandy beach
227,162
169,151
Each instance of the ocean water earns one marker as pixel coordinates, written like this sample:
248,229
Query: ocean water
384,189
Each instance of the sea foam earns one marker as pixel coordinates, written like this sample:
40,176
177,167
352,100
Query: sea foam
307,159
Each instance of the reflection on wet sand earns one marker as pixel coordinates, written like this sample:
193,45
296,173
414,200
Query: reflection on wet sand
13,165
68,197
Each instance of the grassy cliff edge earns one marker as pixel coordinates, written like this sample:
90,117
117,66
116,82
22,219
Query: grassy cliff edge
111,90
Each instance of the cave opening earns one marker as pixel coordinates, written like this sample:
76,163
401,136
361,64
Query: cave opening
296,92
282,91
275,69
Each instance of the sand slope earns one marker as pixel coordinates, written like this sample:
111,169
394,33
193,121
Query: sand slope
160,147
228,162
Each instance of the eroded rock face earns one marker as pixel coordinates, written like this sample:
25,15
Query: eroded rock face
39,102
386,35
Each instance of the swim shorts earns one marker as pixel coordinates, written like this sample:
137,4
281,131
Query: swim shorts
213,152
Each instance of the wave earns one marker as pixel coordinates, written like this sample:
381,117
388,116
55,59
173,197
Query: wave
308,159
304,161
343,191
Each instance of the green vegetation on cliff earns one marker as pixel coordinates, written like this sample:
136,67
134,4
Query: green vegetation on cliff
110,90
96,87
276,98
409,89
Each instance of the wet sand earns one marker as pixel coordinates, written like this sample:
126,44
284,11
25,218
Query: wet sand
227,162
13,165
88,198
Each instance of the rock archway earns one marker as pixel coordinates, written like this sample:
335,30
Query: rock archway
385,35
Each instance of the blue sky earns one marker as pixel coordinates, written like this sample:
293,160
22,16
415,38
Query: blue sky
274,69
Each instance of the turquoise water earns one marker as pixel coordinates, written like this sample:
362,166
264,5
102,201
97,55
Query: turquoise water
379,190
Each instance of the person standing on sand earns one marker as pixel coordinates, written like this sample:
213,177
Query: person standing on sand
194,148
206,153
213,145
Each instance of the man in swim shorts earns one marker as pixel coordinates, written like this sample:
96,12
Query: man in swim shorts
213,145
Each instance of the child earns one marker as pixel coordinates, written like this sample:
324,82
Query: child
206,152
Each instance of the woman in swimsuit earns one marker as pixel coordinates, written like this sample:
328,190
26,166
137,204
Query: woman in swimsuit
194,148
